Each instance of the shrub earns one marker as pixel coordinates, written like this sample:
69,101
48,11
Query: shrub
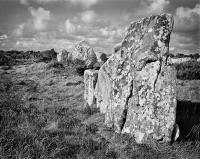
55,64
188,71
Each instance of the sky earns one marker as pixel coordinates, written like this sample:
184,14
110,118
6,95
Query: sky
59,24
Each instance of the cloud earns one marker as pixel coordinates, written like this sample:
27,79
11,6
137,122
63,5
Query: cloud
3,37
84,3
81,24
183,42
187,28
153,6
24,2
157,6
38,22
88,16
40,16
70,28
19,30
187,19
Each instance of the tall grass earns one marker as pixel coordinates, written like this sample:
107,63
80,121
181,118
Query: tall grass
26,131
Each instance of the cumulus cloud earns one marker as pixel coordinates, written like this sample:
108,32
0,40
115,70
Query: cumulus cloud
38,23
24,2
187,19
88,16
19,30
158,5
69,26
40,16
153,6
3,37
183,42
81,24
187,28
84,3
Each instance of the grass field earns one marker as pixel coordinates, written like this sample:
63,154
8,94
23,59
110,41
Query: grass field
42,116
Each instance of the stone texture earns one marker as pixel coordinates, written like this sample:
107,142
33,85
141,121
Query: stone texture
103,90
90,80
139,84
63,56
84,52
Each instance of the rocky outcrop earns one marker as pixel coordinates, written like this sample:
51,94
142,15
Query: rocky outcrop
84,52
90,80
136,86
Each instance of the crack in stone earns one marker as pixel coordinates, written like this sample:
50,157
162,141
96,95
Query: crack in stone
124,114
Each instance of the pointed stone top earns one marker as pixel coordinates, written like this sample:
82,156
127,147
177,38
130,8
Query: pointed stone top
153,33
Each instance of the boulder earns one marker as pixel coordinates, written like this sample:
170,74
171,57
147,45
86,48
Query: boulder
139,83
90,80
84,52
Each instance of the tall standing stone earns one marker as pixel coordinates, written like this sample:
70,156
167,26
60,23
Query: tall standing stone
63,56
141,83
90,80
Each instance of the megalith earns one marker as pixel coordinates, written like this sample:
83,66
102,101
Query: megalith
139,84
90,80
63,56
84,52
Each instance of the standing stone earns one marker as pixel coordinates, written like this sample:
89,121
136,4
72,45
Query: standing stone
140,83
59,57
63,56
90,80
103,90
84,52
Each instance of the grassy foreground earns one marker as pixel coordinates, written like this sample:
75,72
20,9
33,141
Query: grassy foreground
42,115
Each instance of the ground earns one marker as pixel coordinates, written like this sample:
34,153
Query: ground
42,115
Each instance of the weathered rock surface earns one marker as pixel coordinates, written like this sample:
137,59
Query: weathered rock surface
103,91
63,56
84,52
90,80
138,82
